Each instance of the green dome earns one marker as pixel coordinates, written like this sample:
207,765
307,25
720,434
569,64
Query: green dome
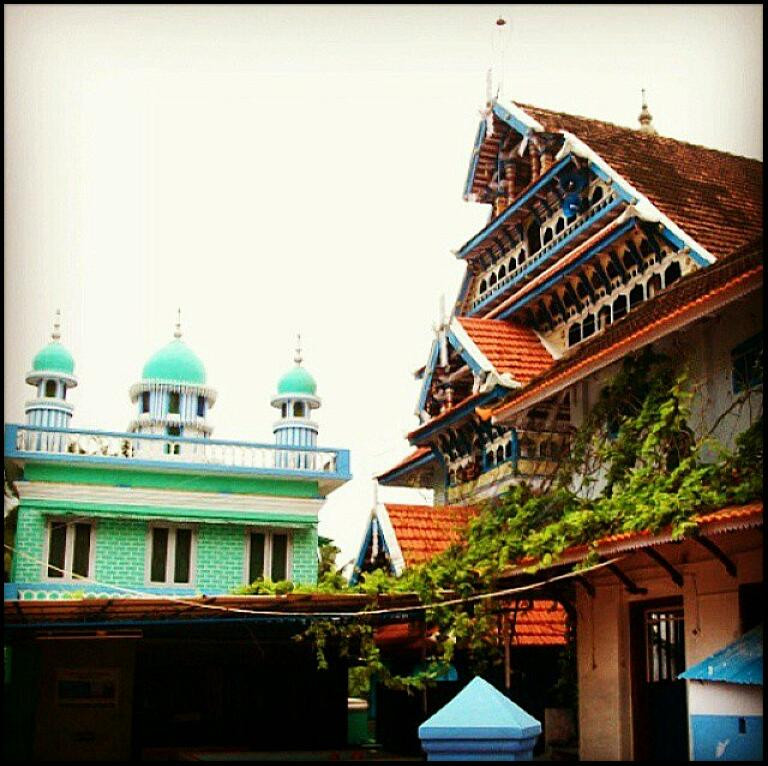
175,362
54,357
297,381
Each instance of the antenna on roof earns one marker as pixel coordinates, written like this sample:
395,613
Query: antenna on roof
500,37
645,118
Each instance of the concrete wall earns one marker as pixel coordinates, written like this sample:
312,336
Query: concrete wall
712,620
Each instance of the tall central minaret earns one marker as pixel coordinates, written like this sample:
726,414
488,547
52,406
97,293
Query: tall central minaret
296,398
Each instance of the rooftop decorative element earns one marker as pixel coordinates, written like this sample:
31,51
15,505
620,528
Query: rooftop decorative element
175,362
298,380
646,119
54,357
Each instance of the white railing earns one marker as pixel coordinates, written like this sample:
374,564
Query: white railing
149,447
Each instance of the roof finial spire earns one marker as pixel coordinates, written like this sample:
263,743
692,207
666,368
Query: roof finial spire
56,334
298,357
645,118
177,331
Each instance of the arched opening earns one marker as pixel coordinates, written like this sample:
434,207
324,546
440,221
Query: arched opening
653,285
483,286
619,307
597,194
672,274
284,410
50,388
604,317
547,235
628,260
298,409
512,265
490,459
173,403
492,280
574,334
612,271
636,295
533,235
522,255
645,248
500,455
588,326
502,272
581,291
508,449
560,225
200,406
145,402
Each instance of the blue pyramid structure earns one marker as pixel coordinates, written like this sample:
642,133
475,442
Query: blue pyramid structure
479,723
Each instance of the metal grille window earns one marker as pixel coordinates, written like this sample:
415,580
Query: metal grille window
69,549
170,555
664,644
267,556
747,362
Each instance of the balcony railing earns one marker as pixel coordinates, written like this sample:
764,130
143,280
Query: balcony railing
77,445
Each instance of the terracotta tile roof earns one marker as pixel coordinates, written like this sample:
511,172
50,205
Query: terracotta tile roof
447,413
414,457
509,347
669,309
712,522
424,530
714,196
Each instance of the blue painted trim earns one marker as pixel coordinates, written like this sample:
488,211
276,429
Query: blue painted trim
463,353
428,372
727,737
535,263
354,579
421,462
11,590
488,230
428,429
463,290
479,138
516,124
568,269
678,244
385,547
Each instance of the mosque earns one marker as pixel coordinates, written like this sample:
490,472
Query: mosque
163,508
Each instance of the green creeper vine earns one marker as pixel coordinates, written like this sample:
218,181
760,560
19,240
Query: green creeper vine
634,464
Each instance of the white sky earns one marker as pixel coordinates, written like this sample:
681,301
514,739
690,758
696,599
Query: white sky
274,169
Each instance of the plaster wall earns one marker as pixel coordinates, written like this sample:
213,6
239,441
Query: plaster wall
712,620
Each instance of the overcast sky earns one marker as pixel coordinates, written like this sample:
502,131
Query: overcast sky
276,169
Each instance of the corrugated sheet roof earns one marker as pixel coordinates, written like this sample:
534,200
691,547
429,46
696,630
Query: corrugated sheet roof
738,663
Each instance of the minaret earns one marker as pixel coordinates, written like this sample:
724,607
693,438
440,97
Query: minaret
295,399
171,398
53,375
646,119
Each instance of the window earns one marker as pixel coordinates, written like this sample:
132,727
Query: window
145,402
747,362
547,235
653,285
672,274
502,272
69,549
604,317
636,295
560,225
201,406
173,403
483,286
170,556
588,326
298,409
284,410
534,238
492,280
574,334
619,307
664,644
267,556
173,449
50,388
500,455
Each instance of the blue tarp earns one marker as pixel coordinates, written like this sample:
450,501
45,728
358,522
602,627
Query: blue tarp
738,663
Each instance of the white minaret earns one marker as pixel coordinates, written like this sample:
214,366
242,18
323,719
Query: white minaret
52,374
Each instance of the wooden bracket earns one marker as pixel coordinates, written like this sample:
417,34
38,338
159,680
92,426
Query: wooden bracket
677,578
586,584
628,583
730,567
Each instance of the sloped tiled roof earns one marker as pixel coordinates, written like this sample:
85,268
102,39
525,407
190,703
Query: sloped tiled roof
509,347
423,530
669,309
407,461
714,196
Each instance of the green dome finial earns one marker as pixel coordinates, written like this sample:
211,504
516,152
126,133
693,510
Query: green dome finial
54,357
175,362
298,380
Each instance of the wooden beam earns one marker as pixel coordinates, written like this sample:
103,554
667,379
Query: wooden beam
677,578
730,567
629,584
586,584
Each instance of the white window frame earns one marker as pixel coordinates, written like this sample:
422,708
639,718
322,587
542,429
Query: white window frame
267,532
69,548
170,560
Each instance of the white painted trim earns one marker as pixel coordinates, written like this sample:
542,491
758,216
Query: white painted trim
143,496
69,549
643,207
524,117
268,533
387,530
170,560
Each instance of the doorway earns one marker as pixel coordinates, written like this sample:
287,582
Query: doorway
657,647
